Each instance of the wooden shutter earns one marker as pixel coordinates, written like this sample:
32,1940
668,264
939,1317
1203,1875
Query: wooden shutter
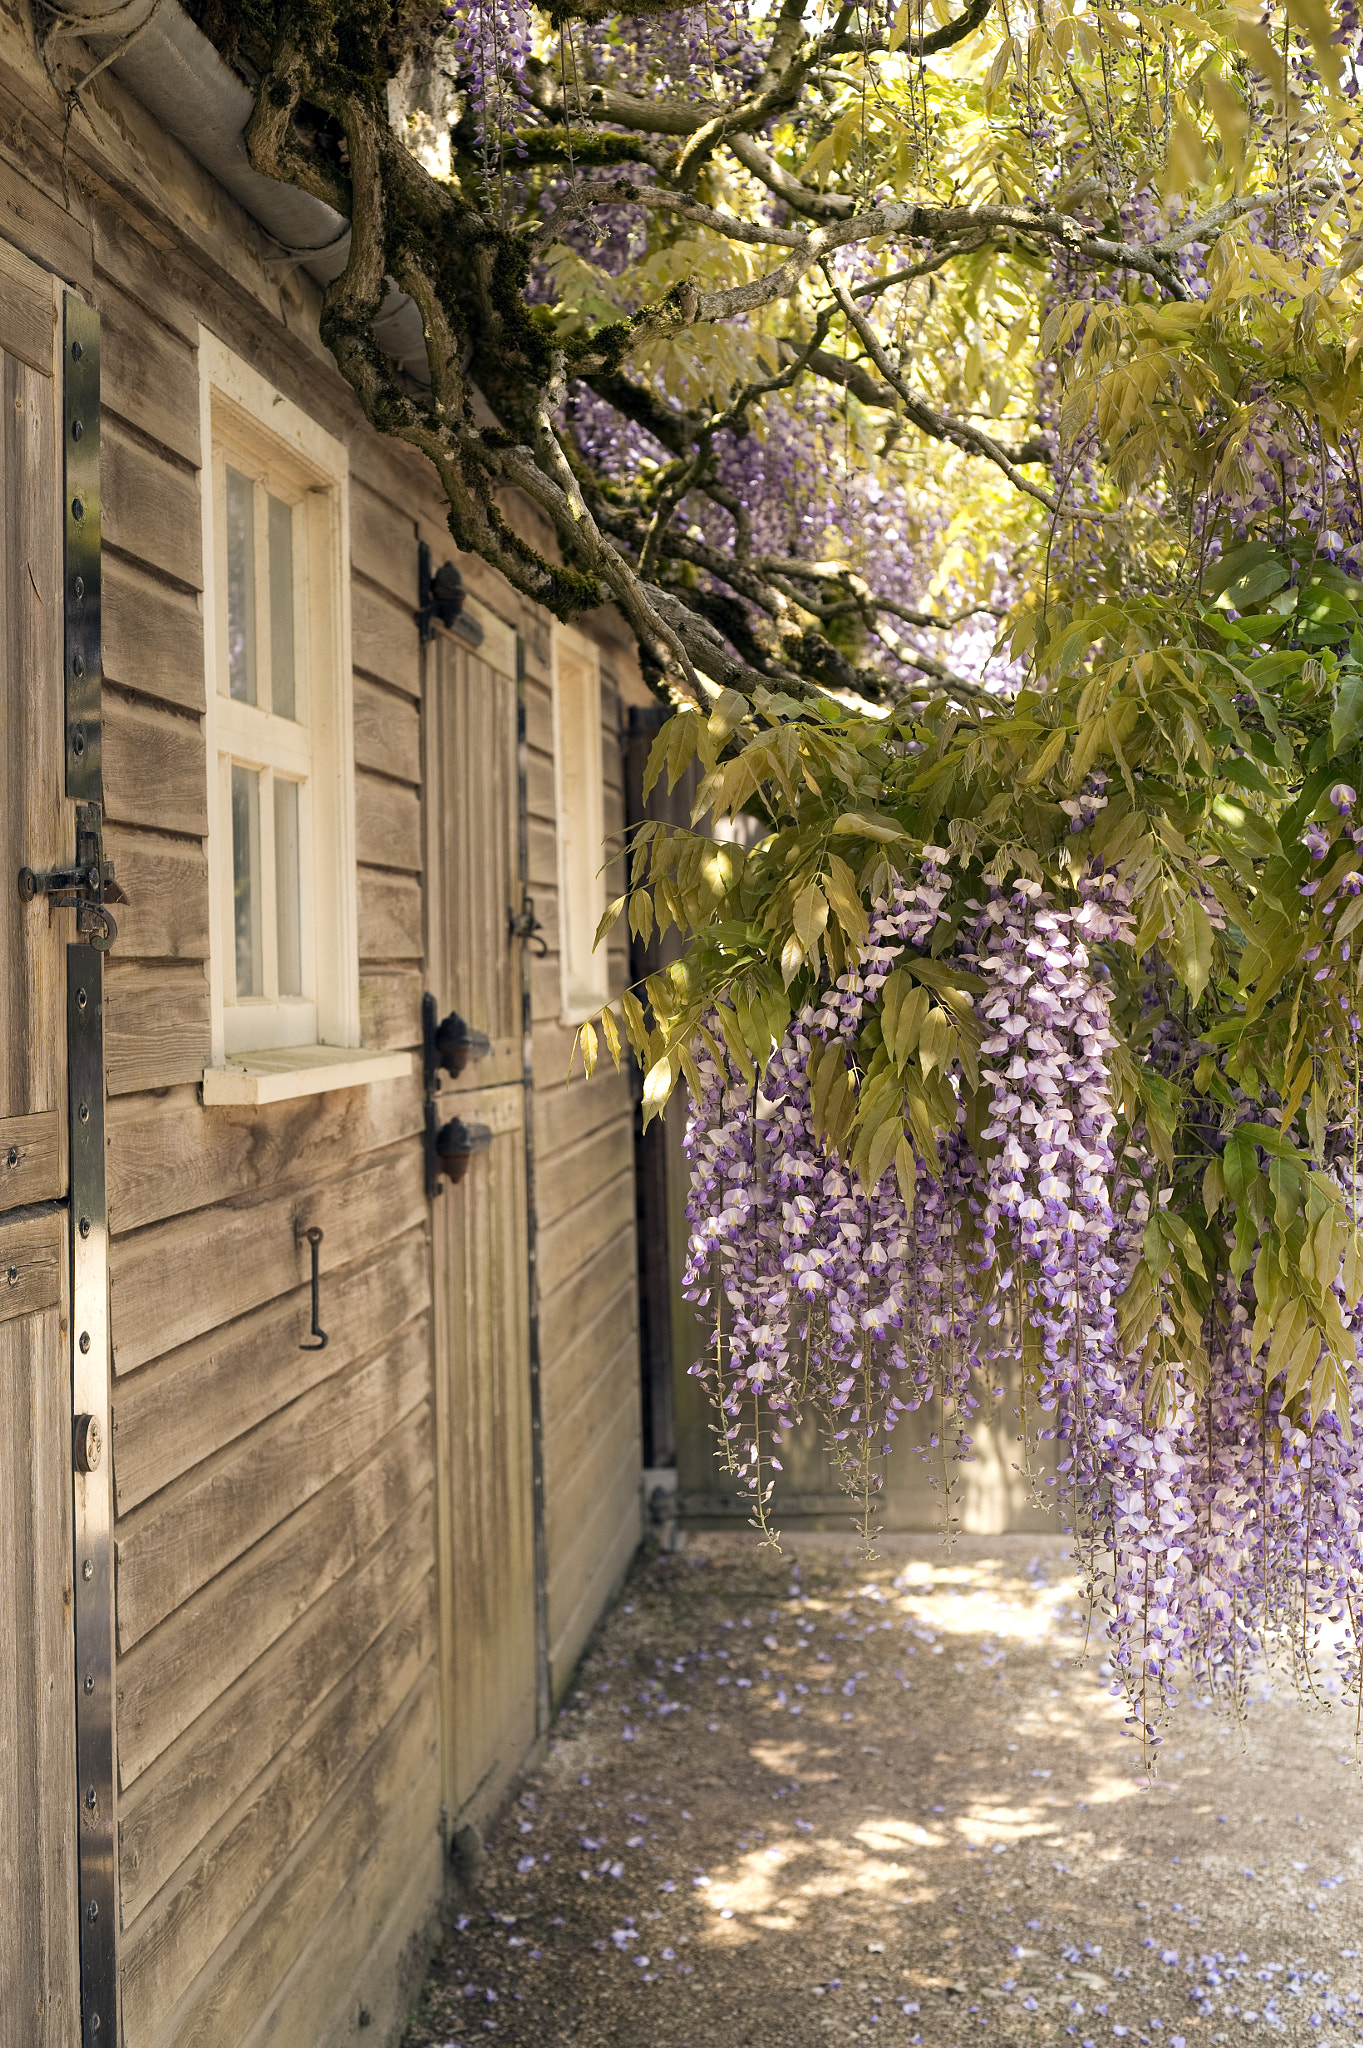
39,1969
481,1293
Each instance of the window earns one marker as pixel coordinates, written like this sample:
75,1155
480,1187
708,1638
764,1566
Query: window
264,750
281,842
581,823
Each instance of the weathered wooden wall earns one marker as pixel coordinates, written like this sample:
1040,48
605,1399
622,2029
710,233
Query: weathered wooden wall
278,1770
278,1726
584,1149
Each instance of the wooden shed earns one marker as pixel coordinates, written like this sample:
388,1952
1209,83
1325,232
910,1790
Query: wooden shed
281,1618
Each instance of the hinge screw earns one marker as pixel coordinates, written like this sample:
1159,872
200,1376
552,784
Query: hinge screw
12,1156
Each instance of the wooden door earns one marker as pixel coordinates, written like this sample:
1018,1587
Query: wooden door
39,1966
479,1227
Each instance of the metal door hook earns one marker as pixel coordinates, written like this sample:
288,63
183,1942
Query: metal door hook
314,1238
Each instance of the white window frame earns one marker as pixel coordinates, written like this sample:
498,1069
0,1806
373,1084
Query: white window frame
271,437
580,804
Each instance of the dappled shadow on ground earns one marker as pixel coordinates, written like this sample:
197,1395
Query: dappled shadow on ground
803,1796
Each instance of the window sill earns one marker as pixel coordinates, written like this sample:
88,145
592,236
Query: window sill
251,1079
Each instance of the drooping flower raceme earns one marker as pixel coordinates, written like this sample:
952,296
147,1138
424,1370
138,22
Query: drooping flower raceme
1216,1528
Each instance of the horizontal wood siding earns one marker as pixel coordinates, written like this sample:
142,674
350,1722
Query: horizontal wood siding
275,1528
278,1722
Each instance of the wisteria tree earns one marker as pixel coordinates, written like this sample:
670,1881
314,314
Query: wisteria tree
962,403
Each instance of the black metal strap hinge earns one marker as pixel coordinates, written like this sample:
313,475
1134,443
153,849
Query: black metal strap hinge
88,887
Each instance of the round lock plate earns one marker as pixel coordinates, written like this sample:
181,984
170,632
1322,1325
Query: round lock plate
89,1443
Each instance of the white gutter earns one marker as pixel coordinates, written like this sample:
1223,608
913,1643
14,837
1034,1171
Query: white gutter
168,64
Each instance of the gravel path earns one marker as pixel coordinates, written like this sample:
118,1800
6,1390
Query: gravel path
805,1796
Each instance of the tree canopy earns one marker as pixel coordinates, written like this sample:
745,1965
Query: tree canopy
962,404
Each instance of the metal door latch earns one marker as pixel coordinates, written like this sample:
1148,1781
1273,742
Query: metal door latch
309,1234
87,888
523,924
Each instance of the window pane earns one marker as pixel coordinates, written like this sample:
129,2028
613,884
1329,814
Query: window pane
282,694
246,879
286,874
241,587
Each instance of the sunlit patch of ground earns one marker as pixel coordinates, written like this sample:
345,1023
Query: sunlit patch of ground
803,1795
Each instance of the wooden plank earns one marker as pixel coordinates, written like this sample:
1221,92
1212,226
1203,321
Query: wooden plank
369,1954
169,1156
387,823
483,1438
148,377
154,767
177,1542
472,857
153,636
596,1455
387,731
539,715
607,1220
34,827
389,917
277,1930
225,1877
38,1954
170,1416
157,1028
541,797
30,1265
166,883
543,850
32,1166
578,1301
28,311
147,265
150,507
567,1115
568,1179
383,544
383,640
162,1295
580,1454
572,1364
390,1007
180,1798
33,220
168,1679
576,1605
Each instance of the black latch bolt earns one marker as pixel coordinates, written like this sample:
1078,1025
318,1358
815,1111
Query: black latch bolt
88,887
523,924
455,1144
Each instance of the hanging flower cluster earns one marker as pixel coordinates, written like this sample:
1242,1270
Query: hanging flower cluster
1218,1523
